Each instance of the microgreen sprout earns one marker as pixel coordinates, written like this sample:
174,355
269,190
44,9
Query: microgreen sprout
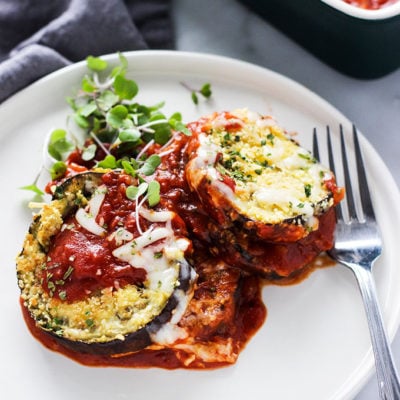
121,133
59,145
107,108
153,193
89,152
150,164
58,170
149,192
33,187
205,91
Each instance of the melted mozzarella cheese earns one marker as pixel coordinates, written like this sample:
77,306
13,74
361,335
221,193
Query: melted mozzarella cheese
275,179
159,251
120,235
171,332
156,216
87,219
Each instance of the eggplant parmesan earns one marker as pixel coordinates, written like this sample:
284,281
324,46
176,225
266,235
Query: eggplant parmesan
271,201
99,277
103,275
174,283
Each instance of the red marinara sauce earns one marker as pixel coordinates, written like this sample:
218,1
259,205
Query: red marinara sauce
80,262
249,316
370,4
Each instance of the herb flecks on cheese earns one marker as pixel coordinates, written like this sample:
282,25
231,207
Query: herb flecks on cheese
271,177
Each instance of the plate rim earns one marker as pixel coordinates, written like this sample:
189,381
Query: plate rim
366,368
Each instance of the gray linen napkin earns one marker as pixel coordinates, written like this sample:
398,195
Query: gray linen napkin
39,36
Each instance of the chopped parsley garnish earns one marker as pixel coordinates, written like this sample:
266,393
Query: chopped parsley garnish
307,189
240,176
271,138
68,273
307,157
89,323
62,295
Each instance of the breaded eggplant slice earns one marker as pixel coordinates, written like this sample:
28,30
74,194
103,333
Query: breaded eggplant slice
273,260
249,173
95,278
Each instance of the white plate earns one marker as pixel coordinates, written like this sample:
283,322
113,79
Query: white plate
314,344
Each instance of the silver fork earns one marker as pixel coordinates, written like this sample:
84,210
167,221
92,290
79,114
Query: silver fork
357,245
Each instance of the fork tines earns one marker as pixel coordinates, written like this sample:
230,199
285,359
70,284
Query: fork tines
364,193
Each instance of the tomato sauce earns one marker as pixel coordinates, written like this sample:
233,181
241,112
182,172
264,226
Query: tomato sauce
248,318
79,262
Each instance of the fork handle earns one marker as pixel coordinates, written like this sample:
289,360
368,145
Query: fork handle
387,376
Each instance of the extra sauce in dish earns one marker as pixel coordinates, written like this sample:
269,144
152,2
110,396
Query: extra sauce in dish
370,4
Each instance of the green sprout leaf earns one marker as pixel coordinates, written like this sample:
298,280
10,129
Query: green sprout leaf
129,135
179,126
109,161
206,90
162,133
81,121
71,102
58,170
176,117
107,99
122,67
128,168
195,98
153,193
88,85
131,192
126,89
96,63
150,165
134,192
58,134
123,61
59,144
115,117
89,152
33,188
88,109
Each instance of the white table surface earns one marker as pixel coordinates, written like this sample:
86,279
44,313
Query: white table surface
226,27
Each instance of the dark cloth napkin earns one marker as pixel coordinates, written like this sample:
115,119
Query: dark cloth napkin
40,36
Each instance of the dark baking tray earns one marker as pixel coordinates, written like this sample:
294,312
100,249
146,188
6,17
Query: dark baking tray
360,47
